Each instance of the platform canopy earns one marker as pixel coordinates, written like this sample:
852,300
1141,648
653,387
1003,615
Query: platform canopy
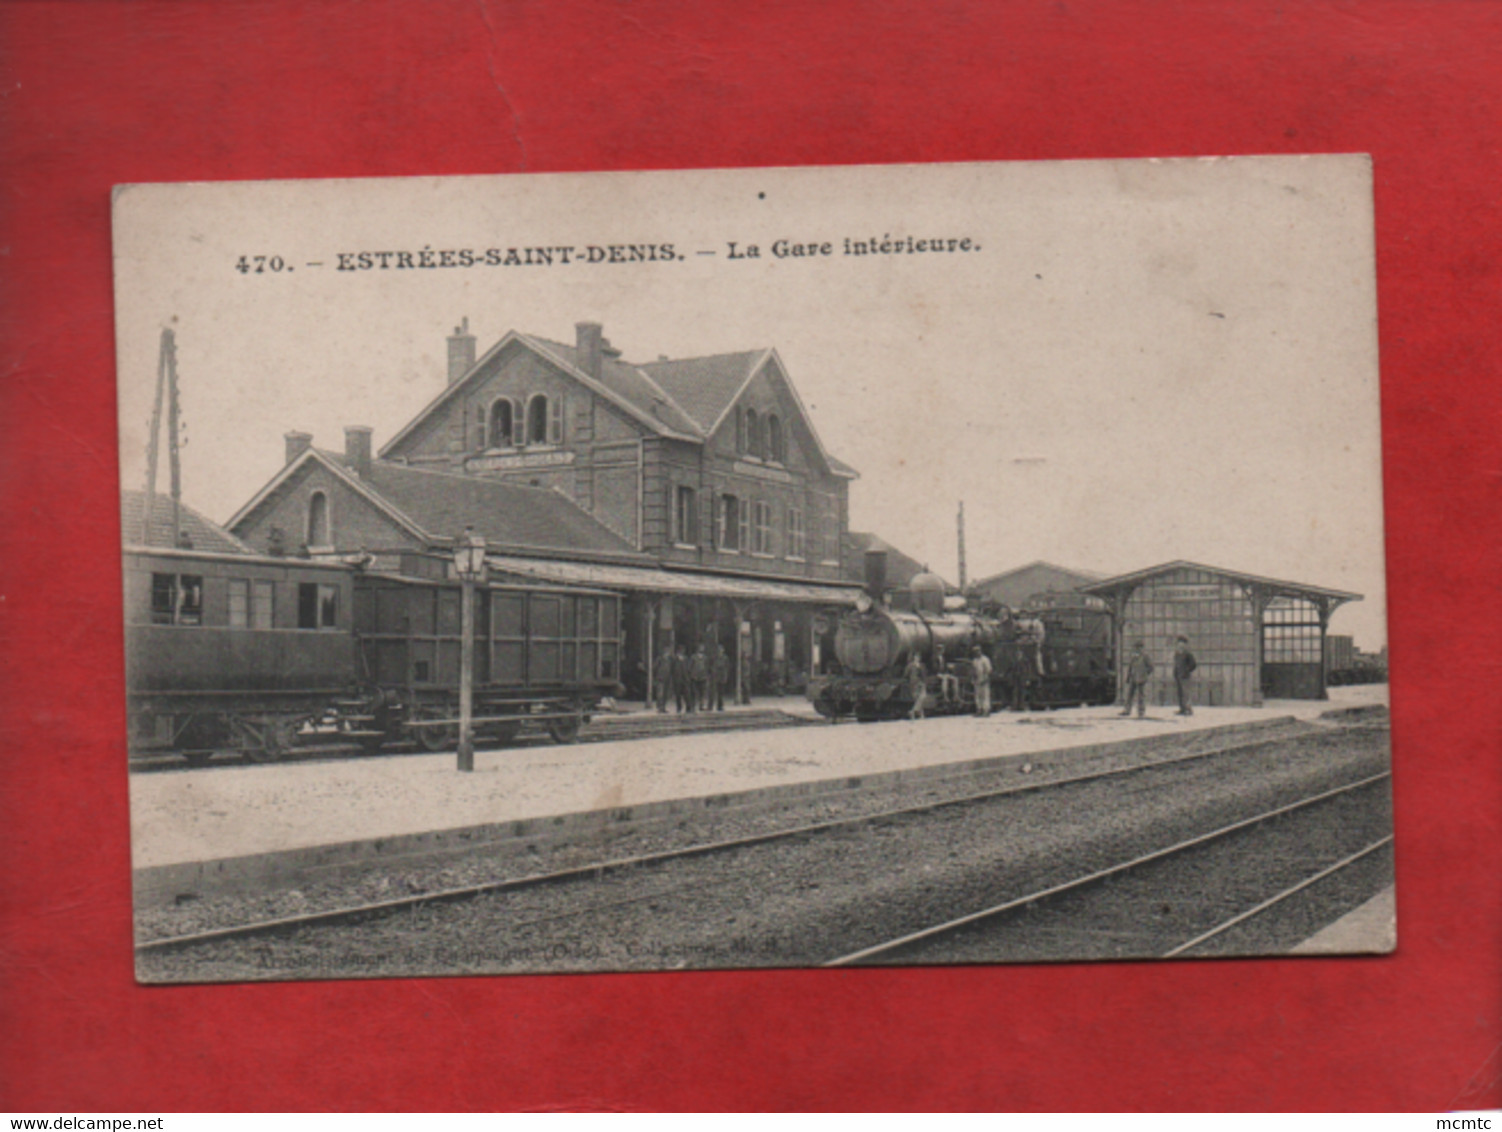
648,579
1270,588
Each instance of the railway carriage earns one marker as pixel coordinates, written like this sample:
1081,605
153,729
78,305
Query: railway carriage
259,654
232,651
542,655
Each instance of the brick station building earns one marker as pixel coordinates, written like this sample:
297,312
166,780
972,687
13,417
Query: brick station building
698,488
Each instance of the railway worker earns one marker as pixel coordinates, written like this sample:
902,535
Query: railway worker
980,672
917,685
719,674
698,678
680,680
1184,665
662,675
1139,668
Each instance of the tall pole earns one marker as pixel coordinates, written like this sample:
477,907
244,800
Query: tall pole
169,355
962,545
154,439
467,672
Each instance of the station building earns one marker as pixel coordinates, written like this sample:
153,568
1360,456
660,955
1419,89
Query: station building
1253,637
698,488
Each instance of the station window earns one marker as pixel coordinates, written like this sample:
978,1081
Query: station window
1291,632
176,599
775,450
763,533
686,516
753,433
502,423
318,520
317,606
797,538
729,532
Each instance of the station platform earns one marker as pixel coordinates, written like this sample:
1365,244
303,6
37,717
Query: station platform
187,826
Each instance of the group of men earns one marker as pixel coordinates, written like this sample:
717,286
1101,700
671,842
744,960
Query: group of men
1140,667
695,681
949,682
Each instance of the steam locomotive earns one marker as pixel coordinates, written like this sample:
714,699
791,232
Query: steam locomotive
1054,652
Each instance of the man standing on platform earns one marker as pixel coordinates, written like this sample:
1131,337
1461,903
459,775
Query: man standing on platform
662,675
680,679
980,672
698,678
1139,668
719,673
1184,665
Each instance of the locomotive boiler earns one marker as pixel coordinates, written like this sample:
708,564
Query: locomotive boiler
1055,652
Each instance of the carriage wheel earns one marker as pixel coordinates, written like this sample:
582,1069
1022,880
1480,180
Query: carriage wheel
504,734
437,739
564,730
265,740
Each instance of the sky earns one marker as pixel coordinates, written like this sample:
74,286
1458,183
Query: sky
1129,362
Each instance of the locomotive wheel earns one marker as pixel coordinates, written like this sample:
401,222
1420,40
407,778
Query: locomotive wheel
564,730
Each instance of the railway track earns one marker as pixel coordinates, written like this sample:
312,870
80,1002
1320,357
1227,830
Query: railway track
910,946
373,910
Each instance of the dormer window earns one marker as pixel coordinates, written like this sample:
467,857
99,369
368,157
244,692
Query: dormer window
502,423
537,420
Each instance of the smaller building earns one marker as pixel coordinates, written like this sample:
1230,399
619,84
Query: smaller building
1013,588
1253,637
901,568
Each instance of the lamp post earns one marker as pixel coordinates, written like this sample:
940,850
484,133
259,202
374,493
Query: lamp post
469,563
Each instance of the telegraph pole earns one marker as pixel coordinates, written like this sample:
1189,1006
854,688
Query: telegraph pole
961,522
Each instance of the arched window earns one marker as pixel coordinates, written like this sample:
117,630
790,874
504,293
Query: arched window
318,520
500,423
774,439
753,433
537,419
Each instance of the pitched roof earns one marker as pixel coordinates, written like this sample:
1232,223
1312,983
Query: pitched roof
437,506
507,514
629,383
1083,575
705,387
901,568
685,399
1277,586
204,533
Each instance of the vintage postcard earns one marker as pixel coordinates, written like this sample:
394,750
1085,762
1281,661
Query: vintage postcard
766,567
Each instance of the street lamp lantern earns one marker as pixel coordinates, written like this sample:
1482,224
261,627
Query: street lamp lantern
469,564
469,555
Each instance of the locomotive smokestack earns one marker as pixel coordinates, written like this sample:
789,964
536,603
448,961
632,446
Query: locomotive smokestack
876,574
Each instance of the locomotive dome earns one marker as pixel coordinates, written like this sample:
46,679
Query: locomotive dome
928,592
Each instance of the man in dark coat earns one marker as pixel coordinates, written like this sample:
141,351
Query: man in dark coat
698,678
662,676
680,681
1139,668
719,674
1184,665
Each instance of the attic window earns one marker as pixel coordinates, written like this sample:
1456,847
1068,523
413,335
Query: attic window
318,520
775,449
501,417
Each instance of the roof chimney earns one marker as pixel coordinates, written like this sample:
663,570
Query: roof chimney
589,339
461,351
357,449
297,444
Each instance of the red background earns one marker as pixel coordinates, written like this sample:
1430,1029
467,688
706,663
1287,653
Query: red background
92,94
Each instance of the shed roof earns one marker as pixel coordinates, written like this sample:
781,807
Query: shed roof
1276,586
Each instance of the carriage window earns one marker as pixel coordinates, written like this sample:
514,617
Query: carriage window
239,603
176,599
263,605
317,606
